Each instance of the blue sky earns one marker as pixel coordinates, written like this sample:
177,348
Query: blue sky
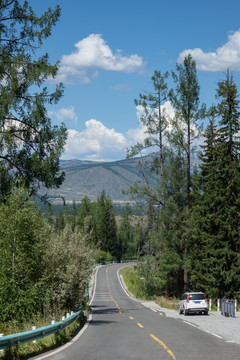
108,51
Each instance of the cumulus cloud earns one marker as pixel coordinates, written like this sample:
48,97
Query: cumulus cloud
98,142
65,114
93,53
139,134
95,142
225,57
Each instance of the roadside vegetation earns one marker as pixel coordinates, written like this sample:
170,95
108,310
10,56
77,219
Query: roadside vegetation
136,285
188,237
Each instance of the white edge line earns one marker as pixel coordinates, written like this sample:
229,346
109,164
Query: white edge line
206,331
189,323
126,292
209,332
218,336
80,332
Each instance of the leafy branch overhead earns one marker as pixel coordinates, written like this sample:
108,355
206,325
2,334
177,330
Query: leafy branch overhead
30,146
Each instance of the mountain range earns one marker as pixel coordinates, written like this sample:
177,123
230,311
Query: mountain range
89,178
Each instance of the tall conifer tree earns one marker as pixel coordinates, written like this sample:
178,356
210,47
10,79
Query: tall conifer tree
30,147
217,206
185,99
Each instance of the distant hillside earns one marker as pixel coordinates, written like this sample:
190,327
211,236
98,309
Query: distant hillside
89,178
85,178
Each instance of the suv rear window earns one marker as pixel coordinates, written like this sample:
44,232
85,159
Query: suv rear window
196,297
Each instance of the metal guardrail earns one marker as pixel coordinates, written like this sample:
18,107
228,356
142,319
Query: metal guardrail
228,308
27,336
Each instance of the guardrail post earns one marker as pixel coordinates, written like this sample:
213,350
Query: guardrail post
235,305
218,304
1,336
37,333
34,328
210,304
53,322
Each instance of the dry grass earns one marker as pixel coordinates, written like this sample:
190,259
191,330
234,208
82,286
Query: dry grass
30,349
168,303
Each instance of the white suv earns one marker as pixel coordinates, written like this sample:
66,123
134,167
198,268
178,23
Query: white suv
193,302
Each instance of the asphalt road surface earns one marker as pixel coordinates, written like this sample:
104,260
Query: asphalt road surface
121,328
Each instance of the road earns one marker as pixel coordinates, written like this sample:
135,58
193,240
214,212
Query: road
121,328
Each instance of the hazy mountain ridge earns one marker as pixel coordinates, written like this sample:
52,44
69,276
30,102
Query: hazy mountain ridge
89,178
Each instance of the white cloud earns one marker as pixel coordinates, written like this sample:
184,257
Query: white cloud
93,53
65,114
225,57
120,87
95,142
139,134
98,142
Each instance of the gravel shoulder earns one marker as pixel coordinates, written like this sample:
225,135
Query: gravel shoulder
227,328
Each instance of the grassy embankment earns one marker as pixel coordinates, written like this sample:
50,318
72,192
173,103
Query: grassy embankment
136,286
31,349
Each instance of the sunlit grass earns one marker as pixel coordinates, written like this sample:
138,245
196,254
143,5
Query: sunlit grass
137,285
134,283
30,349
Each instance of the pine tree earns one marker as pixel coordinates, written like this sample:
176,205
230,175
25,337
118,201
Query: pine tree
228,165
203,263
30,146
185,99
126,235
154,119
169,241
106,228
216,210
85,214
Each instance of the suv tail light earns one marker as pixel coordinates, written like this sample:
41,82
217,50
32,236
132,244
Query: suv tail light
188,298
205,297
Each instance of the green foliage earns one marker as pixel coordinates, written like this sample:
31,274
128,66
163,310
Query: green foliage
134,283
193,241
30,349
103,257
42,269
22,249
68,264
30,147
106,228
126,235
215,258
154,119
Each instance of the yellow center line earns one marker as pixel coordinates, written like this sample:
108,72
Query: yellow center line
140,325
164,346
130,317
109,289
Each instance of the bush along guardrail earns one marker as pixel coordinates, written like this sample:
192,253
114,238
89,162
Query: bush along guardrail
27,336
